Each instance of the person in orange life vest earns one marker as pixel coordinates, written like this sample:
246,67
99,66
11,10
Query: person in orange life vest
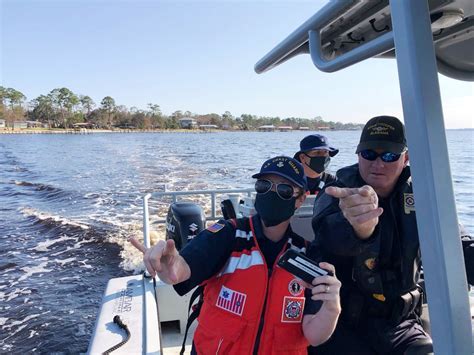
250,304
315,154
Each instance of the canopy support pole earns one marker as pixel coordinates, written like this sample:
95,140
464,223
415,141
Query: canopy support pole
433,188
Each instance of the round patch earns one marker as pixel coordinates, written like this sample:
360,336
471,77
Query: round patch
293,309
295,287
410,201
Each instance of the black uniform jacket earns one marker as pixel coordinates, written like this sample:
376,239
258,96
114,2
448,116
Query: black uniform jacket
393,249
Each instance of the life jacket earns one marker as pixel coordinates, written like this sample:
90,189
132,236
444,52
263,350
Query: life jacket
249,307
383,288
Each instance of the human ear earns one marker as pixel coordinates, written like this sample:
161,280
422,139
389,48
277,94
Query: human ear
407,160
300,200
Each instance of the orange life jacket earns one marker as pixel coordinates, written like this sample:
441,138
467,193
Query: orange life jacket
246,305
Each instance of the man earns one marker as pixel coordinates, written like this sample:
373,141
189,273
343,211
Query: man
315,155
366,226
250,304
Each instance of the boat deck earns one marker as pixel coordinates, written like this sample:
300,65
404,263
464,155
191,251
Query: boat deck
172,338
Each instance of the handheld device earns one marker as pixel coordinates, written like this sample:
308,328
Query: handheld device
301,266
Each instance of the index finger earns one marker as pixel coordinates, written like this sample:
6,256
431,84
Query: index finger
341,192
137,244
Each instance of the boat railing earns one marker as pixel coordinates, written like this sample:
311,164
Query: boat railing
175,195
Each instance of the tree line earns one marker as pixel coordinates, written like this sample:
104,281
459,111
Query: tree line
62,108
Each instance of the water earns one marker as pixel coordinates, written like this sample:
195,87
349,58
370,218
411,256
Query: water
69,202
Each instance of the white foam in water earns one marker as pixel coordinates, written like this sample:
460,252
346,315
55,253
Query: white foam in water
75,246
14,294
20,322
132,258
43,246
3,321
32,333
42,216
34,270
64,261
21,325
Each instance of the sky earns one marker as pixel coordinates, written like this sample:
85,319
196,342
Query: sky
195,56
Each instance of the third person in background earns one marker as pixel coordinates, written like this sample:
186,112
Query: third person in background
315,155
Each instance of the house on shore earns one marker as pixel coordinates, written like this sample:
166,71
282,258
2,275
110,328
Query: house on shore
34,124
187,122
80,125
207,127
285,128
20,125
267,128
2,123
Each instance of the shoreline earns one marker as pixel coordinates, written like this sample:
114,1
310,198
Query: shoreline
94,131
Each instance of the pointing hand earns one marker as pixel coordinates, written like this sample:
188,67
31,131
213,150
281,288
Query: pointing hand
360,206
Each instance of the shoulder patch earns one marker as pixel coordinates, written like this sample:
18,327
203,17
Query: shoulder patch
409,203
216,227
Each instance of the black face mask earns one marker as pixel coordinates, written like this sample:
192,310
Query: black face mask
319,164
272,209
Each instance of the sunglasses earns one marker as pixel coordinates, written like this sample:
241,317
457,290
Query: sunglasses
285,191
387,157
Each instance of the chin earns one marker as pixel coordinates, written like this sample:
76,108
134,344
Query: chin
377,182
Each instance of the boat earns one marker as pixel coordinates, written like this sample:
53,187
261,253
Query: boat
427,37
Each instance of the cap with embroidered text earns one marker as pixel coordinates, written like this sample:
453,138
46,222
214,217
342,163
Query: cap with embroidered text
286,167
383,132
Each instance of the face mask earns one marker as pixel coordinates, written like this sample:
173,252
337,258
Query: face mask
319,164
272,209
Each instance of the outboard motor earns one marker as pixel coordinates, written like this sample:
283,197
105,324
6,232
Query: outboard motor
183,222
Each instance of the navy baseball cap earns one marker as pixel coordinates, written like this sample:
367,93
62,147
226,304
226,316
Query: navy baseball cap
383,132
286,167
315,142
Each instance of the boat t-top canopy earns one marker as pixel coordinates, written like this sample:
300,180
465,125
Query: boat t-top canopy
427,36
345,32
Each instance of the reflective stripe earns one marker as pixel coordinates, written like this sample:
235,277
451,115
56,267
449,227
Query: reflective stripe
243,234
242,262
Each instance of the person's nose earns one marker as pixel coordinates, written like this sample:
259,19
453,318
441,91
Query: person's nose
379,163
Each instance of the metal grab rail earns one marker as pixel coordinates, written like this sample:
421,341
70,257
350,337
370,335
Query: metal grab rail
175,194
367,50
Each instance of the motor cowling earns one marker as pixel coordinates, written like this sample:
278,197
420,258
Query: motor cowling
183,222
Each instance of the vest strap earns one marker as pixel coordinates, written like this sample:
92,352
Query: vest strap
198,292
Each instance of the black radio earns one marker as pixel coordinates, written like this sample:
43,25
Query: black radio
301,266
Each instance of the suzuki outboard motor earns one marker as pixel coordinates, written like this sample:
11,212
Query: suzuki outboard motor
183,222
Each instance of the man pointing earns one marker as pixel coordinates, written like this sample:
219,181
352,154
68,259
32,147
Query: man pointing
366,226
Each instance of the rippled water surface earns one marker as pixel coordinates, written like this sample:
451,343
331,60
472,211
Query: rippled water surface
69,202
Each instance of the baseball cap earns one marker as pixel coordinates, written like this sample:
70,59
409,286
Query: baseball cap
286,167
383,132
315,142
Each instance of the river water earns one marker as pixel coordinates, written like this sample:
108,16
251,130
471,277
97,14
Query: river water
68,203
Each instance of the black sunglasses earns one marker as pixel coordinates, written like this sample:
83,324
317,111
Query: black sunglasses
285,191
387,157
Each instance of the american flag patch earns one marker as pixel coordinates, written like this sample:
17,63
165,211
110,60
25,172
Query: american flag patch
216,227
231,301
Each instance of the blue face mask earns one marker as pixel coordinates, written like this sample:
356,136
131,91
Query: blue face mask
272,209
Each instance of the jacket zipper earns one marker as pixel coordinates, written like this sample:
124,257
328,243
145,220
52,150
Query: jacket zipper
262,316
219,345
